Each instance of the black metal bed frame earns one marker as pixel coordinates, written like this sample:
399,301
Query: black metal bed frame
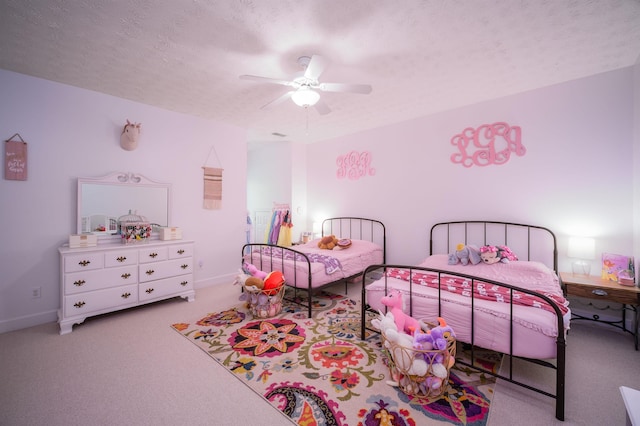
560,369
344,227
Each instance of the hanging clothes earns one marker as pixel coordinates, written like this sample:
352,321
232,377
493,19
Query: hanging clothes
275,227
249,229
284,238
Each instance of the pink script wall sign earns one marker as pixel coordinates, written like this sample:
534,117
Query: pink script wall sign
354,165
488,144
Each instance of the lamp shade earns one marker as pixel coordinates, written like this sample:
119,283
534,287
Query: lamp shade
582,248
305,97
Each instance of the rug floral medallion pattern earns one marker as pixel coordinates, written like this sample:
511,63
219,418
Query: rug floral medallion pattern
317,371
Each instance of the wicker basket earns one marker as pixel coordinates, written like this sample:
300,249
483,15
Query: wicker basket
264,304
402,361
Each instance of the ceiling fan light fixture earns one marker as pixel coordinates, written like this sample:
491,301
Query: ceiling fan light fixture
305,97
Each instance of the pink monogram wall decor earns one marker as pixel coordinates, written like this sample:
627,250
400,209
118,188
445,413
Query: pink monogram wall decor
488,144
354,165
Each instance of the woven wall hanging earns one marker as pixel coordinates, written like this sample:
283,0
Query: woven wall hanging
212,184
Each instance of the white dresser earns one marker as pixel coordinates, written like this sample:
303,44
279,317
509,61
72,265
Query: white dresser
110,277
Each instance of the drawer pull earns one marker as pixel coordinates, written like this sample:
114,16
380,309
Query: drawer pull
183,283
185,266
125,275
126,295
599,292
121,258
79,304
153,255
79,283
149,290
150,272
84,262
180,251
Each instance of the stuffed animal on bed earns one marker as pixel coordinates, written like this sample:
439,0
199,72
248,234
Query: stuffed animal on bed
328,242
495,254
465,255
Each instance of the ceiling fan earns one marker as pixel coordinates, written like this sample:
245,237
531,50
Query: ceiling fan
305,86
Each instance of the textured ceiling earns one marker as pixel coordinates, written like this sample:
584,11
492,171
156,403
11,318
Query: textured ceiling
420,56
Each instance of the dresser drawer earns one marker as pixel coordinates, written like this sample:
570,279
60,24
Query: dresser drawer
83,303
180,251
79,282
160,288
83,262
120,258
153,254
158,271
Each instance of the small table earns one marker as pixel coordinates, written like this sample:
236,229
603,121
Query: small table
593,287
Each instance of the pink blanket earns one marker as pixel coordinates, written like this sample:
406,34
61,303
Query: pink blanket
331,264
484,291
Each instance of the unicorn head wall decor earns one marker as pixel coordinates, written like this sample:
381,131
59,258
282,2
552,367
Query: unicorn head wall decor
130,135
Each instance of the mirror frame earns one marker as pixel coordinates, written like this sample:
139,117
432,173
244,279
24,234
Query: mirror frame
122,179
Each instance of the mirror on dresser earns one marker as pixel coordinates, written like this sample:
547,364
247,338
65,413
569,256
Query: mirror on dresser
102,200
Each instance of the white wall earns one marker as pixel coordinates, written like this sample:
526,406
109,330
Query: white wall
575,178
73,132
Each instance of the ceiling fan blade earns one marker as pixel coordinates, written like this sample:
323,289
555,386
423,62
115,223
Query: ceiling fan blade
364,89
267,80
316,66
278,100
322,107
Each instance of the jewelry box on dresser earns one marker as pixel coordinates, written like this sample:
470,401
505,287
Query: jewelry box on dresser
110,276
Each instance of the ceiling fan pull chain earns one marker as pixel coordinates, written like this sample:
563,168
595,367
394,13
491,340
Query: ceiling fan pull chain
307,126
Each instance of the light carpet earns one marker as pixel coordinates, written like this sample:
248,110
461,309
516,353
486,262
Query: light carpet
318,371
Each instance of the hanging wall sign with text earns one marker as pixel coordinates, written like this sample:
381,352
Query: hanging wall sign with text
15,159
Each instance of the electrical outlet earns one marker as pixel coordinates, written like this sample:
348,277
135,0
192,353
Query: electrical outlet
36,292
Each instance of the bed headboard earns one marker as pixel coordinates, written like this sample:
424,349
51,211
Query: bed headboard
528,242
357,228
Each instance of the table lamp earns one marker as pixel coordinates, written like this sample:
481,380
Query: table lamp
582,250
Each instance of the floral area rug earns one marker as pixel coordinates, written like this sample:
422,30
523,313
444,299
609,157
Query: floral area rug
317,371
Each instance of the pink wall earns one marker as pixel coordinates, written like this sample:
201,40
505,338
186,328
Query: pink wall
73,132
575,178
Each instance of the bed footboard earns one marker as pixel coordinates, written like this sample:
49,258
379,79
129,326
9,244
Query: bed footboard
466,313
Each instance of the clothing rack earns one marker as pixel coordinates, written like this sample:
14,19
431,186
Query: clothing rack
279,231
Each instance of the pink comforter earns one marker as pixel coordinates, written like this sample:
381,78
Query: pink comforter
486,291
352,261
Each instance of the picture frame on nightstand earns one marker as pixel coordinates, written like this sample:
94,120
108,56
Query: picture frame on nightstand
618,268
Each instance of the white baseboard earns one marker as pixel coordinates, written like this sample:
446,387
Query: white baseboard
27,321
220,279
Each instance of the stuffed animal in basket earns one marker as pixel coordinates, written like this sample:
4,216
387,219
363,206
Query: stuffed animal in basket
328,242
272,282
436,340
404,322
400,349
465,255
254,271
401,352
384,322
